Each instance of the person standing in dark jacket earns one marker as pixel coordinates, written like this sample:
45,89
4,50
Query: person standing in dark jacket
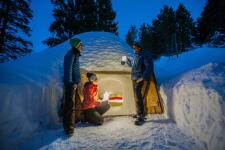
142,66
71,81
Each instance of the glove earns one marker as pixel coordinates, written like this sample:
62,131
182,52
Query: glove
124,60
139,80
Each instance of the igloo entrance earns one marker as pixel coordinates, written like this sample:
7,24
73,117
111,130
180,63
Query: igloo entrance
119,87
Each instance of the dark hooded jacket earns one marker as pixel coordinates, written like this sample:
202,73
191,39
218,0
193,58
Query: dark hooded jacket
72,67
142,65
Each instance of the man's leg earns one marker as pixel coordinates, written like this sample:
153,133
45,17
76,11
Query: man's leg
69,109
139,102
138,97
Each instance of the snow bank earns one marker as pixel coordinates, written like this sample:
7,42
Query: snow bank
167,68
196,101
31,87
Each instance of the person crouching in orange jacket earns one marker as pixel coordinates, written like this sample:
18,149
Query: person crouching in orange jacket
93,106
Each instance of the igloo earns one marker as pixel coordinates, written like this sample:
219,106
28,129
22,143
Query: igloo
102,53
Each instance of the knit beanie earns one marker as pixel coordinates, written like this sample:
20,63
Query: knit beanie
75,42
91,76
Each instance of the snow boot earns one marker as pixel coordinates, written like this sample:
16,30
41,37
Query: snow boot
136,116
69,133
139,120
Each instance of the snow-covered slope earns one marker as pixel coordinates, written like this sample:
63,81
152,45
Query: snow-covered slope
31,87
196,101
166,68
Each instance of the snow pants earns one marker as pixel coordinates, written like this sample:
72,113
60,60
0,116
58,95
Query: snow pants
94,115
69,108
139,101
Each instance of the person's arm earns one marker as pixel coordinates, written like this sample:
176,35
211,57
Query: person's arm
94,95
70,71
126,60
129,63
148,62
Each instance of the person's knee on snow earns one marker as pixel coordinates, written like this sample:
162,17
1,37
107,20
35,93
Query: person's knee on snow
97,121
92,116
101,121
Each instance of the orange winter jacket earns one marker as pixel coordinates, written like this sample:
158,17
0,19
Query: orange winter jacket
91,98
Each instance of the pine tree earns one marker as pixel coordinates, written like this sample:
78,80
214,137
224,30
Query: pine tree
87,15
131,36
106,16
184,28
14,20
143,36
65,24
71,17
148,40
164,28
212,20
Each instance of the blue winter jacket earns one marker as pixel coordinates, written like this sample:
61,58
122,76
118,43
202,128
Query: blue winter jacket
142,65
71,68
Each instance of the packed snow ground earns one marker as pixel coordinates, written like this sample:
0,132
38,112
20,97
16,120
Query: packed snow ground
31,89
116,133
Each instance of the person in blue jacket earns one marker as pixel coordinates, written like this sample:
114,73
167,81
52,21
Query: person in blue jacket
142,66
71,81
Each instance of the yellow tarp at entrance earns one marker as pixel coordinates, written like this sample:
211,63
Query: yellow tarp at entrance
152,99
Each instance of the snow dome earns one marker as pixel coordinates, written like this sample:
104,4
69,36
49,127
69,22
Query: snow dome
102,54
103,51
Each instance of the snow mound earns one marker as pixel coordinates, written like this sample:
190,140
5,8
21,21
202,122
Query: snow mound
31,87
168,67
196,101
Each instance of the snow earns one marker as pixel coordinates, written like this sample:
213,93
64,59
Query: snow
196,101
217,40
166,68
103,52
116,133
192,87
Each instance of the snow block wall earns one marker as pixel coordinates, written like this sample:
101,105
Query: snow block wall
31,88
196,102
